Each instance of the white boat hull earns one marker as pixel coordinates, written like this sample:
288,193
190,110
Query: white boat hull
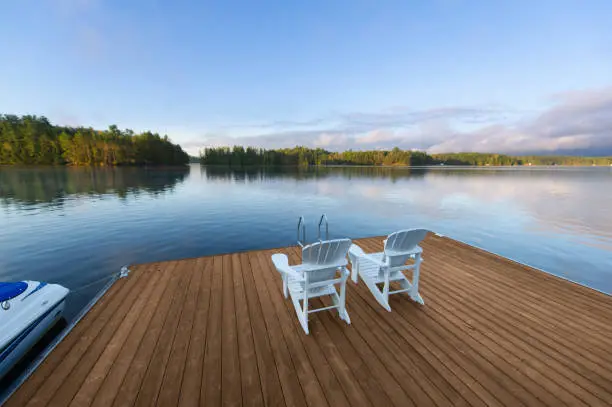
28,318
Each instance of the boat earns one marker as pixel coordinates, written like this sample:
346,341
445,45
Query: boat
28,309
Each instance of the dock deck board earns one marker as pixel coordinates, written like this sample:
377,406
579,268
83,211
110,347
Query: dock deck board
217,330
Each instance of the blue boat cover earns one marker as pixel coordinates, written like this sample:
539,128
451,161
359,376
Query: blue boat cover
11,290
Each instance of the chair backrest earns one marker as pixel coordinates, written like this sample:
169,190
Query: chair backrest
323,258
399,245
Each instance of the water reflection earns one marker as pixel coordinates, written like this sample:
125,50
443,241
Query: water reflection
76,225
50,187
258,174
566,199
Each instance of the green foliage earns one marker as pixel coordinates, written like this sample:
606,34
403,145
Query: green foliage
32,140
481,159
379,157
478,159
302,156
239,156
565,160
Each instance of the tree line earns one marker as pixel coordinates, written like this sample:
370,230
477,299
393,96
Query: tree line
239,156
484,159
33,140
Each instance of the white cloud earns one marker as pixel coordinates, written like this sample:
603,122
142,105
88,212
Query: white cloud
376,137
330,140
578,122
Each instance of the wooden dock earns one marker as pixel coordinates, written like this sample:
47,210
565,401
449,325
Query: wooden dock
217,331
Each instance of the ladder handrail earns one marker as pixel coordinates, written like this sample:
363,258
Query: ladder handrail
301,224
323,218
301,228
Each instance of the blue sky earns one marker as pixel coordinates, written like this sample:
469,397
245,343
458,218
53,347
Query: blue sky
440,75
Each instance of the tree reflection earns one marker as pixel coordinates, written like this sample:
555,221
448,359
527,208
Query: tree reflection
258,174
51,186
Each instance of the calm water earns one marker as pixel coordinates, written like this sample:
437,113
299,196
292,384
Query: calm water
78,226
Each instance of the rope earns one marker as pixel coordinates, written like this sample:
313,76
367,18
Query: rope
98,281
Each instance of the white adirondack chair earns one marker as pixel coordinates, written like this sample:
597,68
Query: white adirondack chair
387,266
323,267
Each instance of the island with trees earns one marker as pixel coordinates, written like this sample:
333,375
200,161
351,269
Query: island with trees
238,156
33,140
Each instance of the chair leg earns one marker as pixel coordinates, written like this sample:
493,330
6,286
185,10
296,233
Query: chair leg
378,295
305,313
342,313
285,285
385,291
414,292
342,303
299,310
355,271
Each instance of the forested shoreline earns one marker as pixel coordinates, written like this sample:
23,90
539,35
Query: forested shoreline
238,156
303,156
33,140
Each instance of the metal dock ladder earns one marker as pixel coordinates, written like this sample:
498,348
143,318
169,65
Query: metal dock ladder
301,230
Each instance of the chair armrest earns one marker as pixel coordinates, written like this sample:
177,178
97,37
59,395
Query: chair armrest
281,262
374,260
416,250
357,252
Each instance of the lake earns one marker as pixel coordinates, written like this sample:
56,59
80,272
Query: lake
78,226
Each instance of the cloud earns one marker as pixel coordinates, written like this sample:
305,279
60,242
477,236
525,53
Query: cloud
578,122
376,137
330,140
394,127
401,117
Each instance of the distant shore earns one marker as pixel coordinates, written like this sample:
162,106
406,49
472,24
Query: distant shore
99,166
436,166
303,156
